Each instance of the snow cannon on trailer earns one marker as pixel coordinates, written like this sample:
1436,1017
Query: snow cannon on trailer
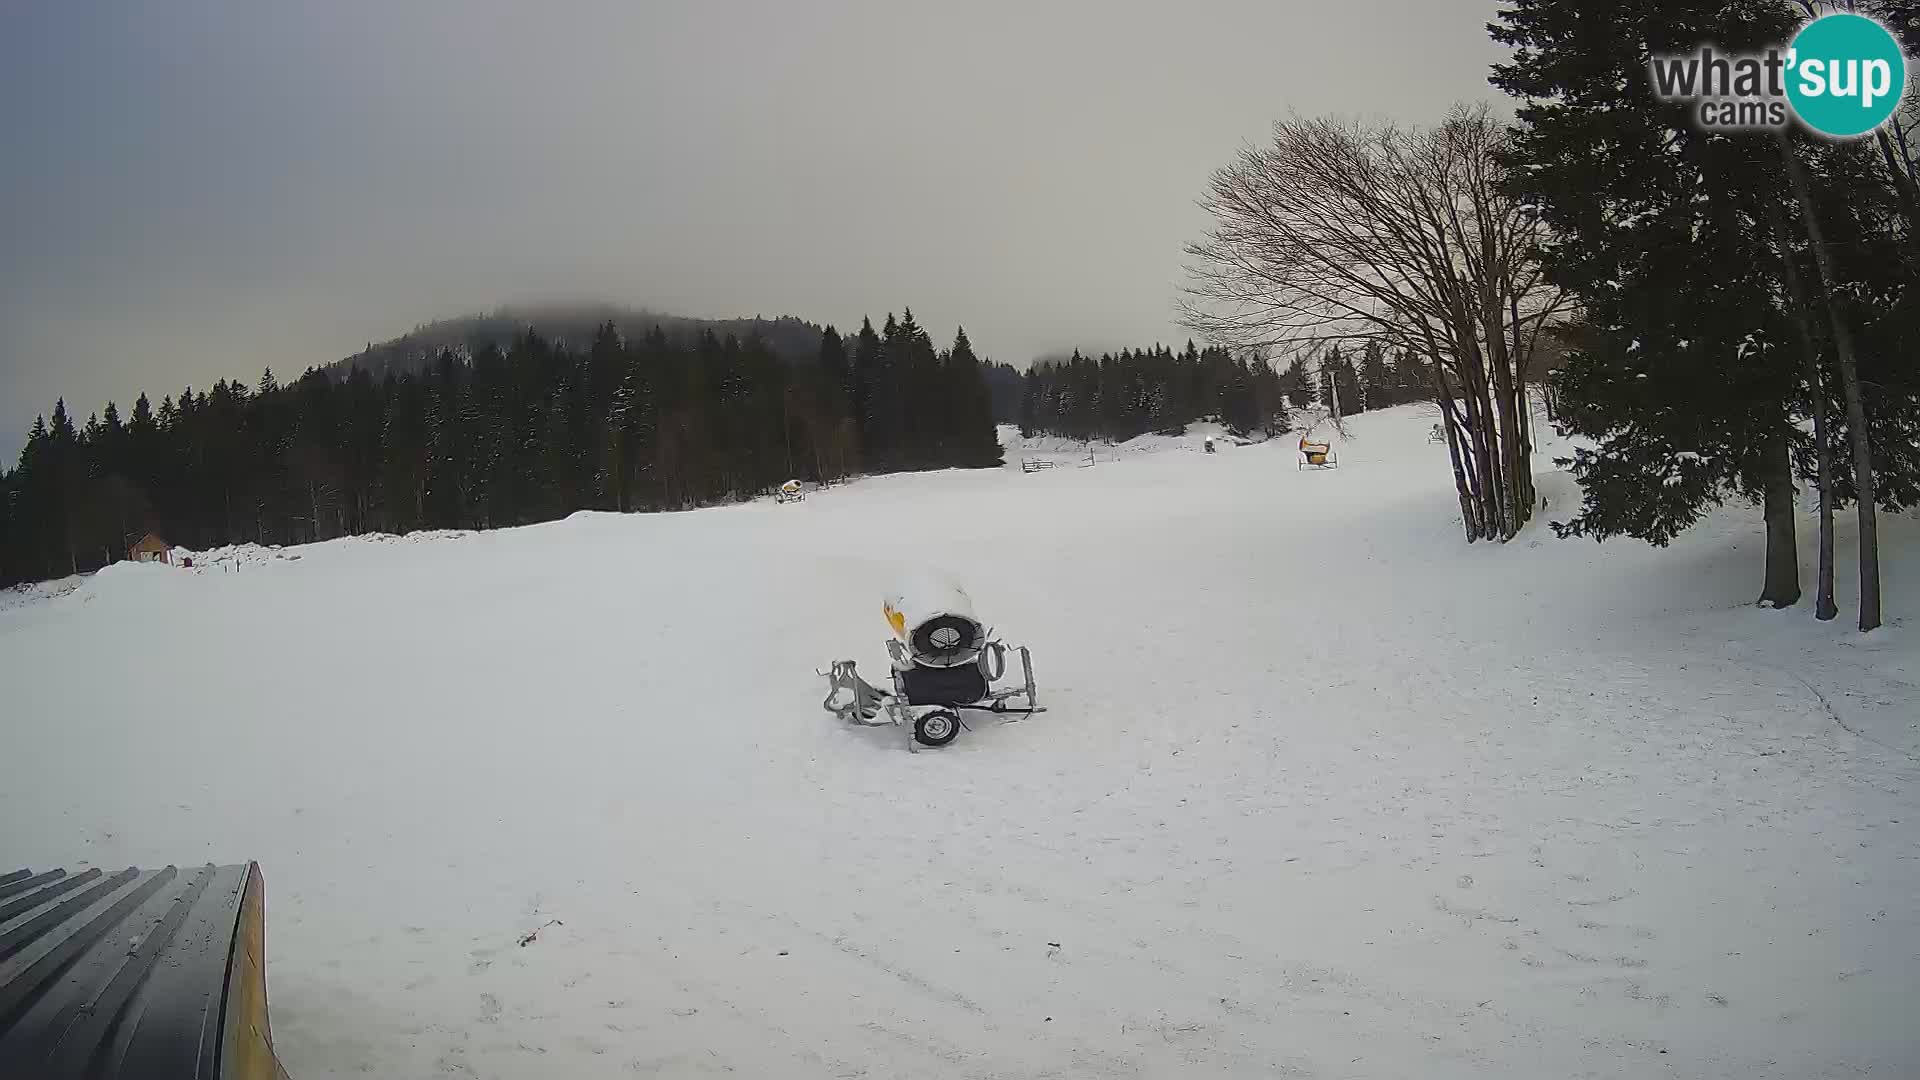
944,660
1317,455
135,975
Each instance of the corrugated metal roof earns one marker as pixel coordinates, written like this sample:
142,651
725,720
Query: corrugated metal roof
116,974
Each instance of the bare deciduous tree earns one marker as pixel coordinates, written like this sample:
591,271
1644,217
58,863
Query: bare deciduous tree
1341,232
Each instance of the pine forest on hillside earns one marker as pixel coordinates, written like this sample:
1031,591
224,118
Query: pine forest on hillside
496,438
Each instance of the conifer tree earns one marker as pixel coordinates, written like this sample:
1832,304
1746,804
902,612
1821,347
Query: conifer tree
1375,381
1681,375
1297,384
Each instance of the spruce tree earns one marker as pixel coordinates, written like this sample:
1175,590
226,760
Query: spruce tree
877,404
1033,405
1297,384
1375,380
1681,376
975,444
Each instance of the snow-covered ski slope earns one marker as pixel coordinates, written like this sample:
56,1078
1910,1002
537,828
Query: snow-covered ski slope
1323,791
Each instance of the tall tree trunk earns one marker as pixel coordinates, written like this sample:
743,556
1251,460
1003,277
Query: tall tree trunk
1478,437
1470,520
1849,390
1493,450
1517,453
1470,516
1824,607
1902,185
1493,472
1782,587
1524,479
1499,357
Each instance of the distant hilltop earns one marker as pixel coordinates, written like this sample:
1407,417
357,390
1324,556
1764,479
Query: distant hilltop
791,338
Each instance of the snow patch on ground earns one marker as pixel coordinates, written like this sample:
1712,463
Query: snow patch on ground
232,558
1066,451
38,591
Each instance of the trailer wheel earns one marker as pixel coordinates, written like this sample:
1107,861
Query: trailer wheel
937,728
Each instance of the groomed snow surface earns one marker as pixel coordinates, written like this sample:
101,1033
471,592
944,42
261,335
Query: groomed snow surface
1323,790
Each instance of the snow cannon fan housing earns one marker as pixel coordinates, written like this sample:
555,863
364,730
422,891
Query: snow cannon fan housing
936,626
943,661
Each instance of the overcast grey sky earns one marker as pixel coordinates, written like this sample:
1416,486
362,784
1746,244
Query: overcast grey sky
197,190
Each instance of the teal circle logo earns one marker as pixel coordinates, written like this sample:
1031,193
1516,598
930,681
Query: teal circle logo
1846,75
